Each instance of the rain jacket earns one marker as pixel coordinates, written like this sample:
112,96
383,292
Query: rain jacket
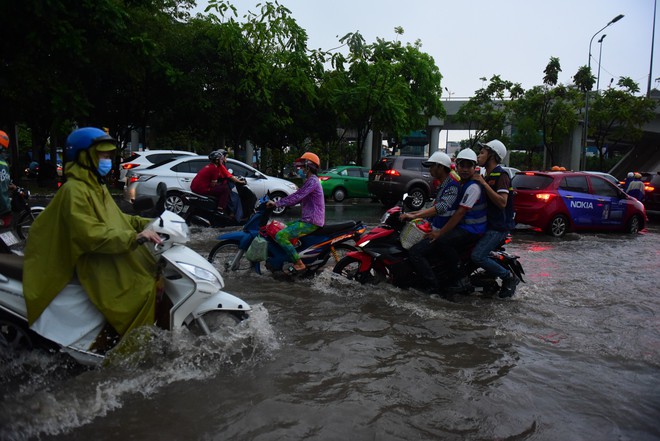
310,196
83,232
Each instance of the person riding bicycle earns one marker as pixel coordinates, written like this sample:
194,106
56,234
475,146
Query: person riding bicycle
83,241
499,201
310,196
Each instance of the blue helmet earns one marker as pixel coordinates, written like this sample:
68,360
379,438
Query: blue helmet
83,139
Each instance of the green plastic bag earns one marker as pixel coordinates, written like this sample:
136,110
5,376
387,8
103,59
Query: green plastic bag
258,250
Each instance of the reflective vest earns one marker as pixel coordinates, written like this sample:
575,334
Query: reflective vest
475,220
439,220
500,219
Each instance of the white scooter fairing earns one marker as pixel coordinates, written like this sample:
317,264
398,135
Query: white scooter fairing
192,284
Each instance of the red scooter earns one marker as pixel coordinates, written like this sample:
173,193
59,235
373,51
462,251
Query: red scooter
381,256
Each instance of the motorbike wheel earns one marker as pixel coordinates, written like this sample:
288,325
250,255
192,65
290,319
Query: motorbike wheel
348,267
215,321
15,336
222,256
25,221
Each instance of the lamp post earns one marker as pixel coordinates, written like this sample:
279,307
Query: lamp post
586,100
600,54
449,93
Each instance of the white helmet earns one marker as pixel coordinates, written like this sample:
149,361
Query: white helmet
438,158
466,154
497,146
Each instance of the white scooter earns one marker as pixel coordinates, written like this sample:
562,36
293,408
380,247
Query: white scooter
71,322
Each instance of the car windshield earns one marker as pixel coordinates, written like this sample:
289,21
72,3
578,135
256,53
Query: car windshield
384,164
158,164
523,181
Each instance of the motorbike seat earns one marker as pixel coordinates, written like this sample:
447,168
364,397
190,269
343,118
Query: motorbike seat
11,265
329,229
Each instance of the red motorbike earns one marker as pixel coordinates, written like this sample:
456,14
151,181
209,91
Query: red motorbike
382,256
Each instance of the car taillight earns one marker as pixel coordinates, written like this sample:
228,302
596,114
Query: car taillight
392,173
649,188
545,197
324,178
128,166
133,179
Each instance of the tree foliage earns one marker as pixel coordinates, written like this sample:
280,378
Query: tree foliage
617,115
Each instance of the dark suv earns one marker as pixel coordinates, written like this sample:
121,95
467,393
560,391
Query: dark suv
652,193
392,176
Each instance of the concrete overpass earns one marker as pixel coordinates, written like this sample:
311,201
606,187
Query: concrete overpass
643,157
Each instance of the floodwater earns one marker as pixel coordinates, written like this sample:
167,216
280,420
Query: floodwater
574,355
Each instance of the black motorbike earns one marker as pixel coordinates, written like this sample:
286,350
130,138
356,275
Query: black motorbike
381,256
23,214
203,210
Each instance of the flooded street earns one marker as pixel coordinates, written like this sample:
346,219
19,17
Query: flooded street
574,355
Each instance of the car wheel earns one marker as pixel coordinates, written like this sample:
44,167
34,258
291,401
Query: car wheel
276,197
634,225
339,194
418,199
558,226
174,203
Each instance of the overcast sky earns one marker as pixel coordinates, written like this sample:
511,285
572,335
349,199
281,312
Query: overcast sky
470,39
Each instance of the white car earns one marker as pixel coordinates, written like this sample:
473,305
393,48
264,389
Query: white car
178,173
140,160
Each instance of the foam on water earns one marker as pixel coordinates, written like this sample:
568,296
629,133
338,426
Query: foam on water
62,398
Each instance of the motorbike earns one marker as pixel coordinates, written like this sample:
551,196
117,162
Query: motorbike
193,298
381,256
202,210
315,250
23,214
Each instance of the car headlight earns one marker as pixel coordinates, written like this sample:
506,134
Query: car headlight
201,273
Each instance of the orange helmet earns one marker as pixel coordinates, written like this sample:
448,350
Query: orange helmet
308,157
555,168
4,140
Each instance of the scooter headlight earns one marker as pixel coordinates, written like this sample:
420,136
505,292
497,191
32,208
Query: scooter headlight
201,273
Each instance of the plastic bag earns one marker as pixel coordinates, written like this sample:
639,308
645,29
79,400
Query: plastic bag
258,250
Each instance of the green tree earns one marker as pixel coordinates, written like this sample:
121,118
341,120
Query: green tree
384,86
617,115
487,112
545,115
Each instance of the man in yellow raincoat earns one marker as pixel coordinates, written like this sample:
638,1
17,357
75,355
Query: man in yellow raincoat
82,234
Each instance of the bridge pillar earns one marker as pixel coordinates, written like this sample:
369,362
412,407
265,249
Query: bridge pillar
435,124
367,149
576,149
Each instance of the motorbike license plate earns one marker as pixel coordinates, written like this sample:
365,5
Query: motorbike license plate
9,238
377,178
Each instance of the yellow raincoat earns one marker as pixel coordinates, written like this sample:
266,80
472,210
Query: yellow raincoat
83,232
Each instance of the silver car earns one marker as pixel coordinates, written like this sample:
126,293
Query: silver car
178,173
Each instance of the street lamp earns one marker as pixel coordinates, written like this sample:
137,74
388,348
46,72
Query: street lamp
447,131
586,100
600,54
